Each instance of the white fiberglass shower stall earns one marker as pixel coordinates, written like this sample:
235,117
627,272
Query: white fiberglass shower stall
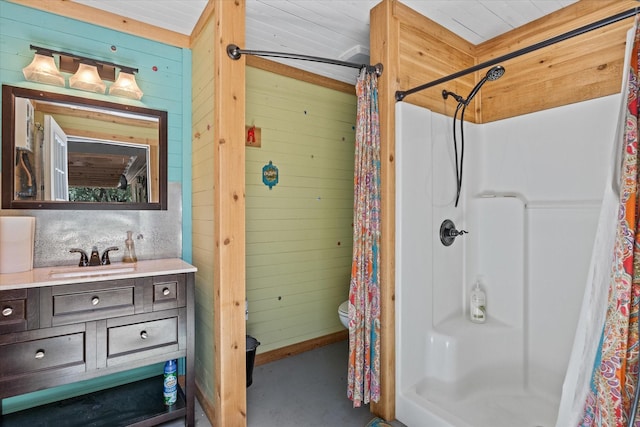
531,195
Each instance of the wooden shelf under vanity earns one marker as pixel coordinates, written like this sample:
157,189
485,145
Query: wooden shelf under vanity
139,403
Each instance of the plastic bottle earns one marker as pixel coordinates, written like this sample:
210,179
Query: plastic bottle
129,250
478,304
170,382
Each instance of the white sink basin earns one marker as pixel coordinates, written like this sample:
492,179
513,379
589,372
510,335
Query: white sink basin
101,270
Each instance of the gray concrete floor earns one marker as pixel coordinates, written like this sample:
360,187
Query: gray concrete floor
309,389
306,390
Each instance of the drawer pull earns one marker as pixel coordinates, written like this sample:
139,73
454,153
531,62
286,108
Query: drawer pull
166,291
40,354
143,335
7,311
95,301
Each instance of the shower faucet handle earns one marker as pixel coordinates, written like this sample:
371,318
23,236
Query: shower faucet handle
448,232
456,233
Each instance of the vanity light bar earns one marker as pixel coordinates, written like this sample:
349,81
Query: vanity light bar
88,73
69,63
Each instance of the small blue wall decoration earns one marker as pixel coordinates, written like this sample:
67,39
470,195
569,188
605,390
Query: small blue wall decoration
270,175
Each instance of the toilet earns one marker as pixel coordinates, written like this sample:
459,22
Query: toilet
343,312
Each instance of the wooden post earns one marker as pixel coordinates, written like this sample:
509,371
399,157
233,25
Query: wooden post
229,216
384,42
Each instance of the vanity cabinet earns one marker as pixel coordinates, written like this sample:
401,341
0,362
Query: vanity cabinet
57,333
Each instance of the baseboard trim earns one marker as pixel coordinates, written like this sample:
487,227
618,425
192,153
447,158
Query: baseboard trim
301,347
207,406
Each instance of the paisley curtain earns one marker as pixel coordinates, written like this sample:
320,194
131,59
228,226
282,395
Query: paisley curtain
364,290
615,370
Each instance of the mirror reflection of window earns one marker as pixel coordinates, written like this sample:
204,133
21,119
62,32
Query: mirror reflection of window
107,171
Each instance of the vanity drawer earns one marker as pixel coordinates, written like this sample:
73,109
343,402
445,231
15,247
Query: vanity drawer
90,301
41,354
18,310
168,292
142,336
94,301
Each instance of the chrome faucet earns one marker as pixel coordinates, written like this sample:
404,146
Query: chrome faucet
94,259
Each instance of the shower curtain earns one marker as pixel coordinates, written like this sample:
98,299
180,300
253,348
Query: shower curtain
602,375
364,289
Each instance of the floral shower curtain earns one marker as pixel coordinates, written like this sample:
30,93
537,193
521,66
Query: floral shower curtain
364,289
615,371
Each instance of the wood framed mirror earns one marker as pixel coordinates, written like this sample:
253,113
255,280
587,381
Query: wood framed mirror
67,152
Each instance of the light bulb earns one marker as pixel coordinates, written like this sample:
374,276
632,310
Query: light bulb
87,78
126,86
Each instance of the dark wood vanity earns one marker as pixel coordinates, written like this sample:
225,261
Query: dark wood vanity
57,330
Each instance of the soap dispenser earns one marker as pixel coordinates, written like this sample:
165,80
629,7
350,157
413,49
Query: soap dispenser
130,250
478,304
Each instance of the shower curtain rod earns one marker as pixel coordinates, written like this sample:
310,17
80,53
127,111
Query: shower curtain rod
235,53
400,95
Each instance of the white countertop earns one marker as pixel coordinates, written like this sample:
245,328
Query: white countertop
51,276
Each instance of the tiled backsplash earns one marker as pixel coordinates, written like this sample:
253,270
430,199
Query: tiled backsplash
157,234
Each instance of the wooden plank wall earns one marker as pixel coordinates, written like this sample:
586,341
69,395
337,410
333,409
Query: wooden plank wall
202,161
427,51
299,232
582,68
579,69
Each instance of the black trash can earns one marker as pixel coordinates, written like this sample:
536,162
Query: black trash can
252,345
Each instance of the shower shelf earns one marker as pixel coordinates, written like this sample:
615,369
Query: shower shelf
459,324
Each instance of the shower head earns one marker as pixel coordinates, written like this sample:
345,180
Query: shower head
494,73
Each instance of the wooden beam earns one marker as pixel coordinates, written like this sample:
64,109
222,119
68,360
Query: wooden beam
384,40
105,19
229,217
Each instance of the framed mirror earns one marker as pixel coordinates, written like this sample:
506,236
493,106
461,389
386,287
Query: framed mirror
67,152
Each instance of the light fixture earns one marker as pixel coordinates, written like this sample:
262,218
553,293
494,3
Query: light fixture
126,85
87,78
43,69
88,73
